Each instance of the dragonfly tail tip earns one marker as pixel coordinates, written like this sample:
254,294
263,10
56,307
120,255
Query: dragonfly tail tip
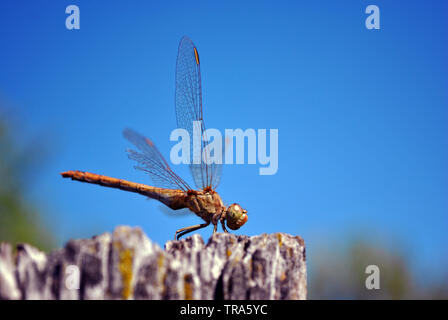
66,174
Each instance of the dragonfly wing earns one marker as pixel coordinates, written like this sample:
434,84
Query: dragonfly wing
175,213
189,109
151,161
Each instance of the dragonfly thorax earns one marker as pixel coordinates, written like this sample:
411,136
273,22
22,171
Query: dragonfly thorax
206,204
209,206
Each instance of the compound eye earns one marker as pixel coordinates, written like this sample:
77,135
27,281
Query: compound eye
236,216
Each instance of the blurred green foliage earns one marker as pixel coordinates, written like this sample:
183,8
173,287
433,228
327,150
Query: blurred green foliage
340,273
20,220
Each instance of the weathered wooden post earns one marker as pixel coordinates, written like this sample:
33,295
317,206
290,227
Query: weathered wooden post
127,265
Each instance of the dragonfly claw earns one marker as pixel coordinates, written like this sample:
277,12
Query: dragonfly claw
179,233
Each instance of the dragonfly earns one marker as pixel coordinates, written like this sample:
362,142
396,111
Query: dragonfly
169,188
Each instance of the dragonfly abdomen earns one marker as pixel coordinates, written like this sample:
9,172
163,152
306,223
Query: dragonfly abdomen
175,199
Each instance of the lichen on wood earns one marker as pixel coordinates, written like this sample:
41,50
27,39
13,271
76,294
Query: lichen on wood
127,265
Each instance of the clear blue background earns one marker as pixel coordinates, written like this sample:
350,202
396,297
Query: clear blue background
362,114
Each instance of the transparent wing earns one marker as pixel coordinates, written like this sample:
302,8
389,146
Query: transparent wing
175,213
189,109
152,162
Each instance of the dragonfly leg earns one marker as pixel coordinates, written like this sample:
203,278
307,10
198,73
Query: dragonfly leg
224,226
215,228
179,233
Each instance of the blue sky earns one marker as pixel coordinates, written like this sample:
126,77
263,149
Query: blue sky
361,113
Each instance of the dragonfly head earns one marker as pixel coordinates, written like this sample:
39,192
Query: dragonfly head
235,216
